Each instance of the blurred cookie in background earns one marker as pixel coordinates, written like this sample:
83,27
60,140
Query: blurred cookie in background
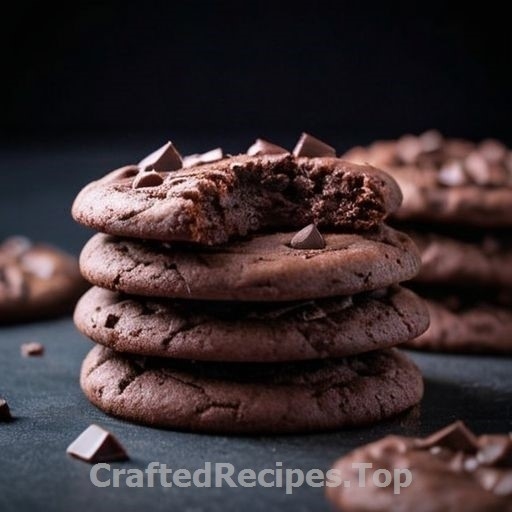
457,207
36,281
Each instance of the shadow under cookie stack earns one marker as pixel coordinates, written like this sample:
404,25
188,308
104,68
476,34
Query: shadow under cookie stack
255,293
458,209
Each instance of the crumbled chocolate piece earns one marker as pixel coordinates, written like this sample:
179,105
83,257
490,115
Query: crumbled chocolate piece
477,168
263,147
96,444
430,140
32,349
312,147
452,175
494,450
147,179
308,238
492,150
203,158
15,246
408,148
5,412
455,437
40,264
164,159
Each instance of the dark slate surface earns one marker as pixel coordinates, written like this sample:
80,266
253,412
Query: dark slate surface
36,474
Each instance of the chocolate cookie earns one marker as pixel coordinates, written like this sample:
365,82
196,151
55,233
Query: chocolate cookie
447,471
212,203
259,332
447,180
235,398
36,281
462,325
483,260
264,268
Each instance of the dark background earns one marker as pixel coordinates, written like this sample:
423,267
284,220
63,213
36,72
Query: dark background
346,71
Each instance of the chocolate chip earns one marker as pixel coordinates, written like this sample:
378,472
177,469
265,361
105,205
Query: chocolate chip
5,412
452,175
456,437
15,246
40,264
477,168
165,159
308,238
263,147
147,179
488,477
430,140
203,158
312,147
408,148
32,349
111,321
494,450
96,444
492,150
503,486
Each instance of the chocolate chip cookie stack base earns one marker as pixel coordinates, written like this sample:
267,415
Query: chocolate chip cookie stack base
458,209
248,294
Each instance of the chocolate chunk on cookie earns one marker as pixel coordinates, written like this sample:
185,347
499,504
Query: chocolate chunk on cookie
263,268
36,281
258,332
447,180
215,202
450,470
248,398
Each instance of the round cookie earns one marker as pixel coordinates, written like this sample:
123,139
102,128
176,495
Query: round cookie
268,332
213,203
450,470
264,268
248,398
36,281
446,180
476,326
485,260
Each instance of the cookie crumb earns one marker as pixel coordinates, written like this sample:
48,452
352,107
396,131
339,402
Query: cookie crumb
32,349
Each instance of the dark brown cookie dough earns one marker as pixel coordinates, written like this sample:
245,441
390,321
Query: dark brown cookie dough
264,332
249,398
450,470
446,180
263,268
485,260
36,281
216,202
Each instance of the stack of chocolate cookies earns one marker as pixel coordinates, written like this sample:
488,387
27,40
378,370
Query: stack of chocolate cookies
458,209
247,294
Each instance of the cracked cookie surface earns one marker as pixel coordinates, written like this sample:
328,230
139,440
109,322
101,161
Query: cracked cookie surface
244,398
264,332
263,268
231,198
